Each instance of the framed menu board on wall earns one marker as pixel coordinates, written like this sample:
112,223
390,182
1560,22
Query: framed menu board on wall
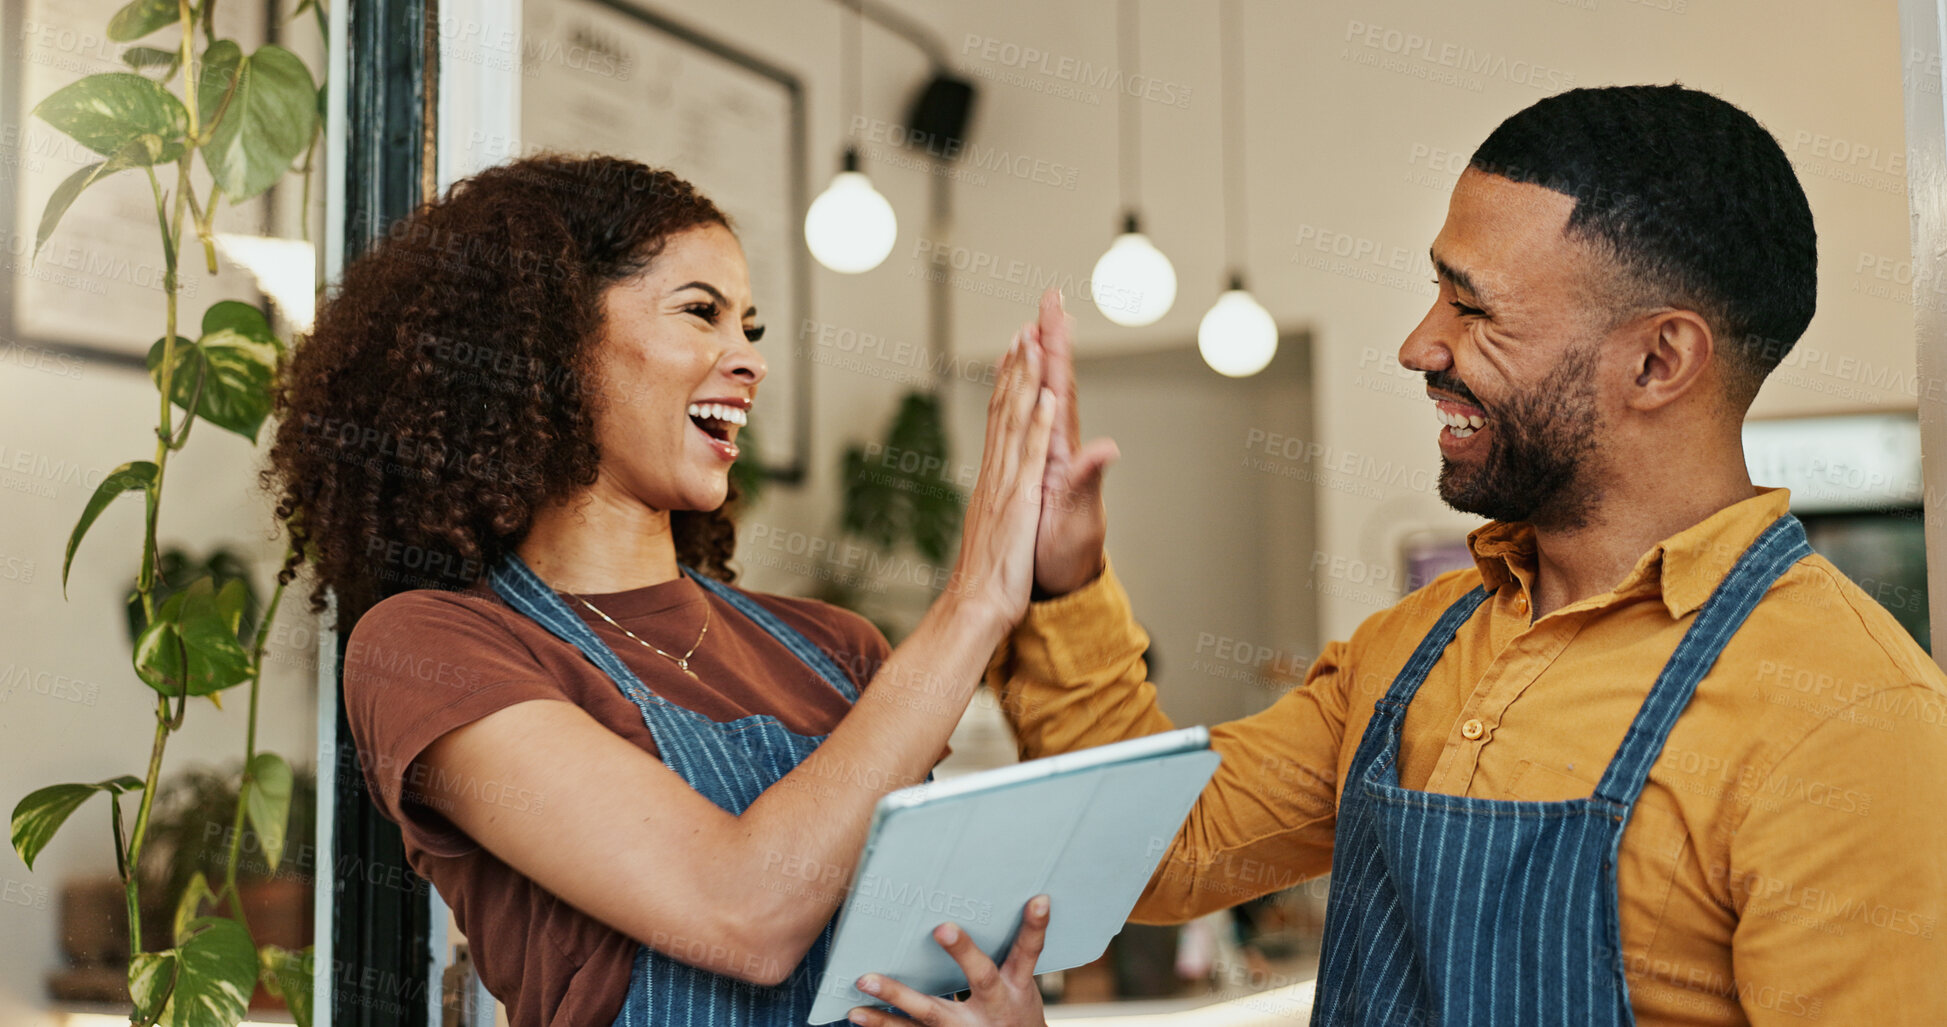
602,76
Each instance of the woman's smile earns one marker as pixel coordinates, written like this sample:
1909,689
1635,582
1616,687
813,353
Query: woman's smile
718,420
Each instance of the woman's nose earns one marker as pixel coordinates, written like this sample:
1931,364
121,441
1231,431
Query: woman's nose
744,363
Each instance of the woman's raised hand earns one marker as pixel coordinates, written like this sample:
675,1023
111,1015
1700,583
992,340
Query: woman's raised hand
1068,549
995,570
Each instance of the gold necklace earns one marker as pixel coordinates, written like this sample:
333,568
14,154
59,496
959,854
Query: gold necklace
683,661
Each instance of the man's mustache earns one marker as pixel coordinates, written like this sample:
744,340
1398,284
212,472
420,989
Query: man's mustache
1446,381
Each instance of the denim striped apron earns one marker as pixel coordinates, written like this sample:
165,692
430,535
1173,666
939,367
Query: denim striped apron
730,764
1447,910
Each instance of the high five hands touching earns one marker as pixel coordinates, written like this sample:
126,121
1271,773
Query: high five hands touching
1068,548
995,569
1068,554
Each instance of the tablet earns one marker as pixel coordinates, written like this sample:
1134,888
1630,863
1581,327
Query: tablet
1087,828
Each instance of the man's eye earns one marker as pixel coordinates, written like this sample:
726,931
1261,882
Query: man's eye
754,332
1465,310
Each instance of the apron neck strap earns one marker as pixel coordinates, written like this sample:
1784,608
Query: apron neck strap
1414,674
817,659
1773,553
526,592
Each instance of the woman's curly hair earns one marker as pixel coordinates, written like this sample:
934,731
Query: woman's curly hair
449,389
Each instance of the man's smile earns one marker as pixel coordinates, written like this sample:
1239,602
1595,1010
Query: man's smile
1461,419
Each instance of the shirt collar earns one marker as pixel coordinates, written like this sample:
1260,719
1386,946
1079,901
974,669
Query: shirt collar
1686,567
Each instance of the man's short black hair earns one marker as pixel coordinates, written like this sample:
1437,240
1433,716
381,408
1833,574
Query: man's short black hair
1694,200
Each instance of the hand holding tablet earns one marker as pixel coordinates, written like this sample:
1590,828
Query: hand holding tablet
1003,996
1085,828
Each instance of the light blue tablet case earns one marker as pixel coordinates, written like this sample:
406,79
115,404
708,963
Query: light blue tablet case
1087,828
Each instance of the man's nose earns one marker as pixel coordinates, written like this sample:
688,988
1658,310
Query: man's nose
1424,349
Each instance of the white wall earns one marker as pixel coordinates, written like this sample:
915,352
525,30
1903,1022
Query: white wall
1213,546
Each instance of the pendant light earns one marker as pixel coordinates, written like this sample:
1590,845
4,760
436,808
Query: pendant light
850,228
1133,283
1237,337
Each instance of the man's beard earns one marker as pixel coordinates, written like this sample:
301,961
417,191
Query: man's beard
1539,445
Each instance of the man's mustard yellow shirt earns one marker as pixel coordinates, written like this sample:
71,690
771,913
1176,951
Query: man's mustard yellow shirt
1786,862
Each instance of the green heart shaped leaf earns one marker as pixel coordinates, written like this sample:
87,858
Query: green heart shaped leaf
136,154
192,645
236,359
268,806
140,18
287,975
151,982
136,474
109,111
258,112
235,316
44,810
141,57
221,64
206,980
161,659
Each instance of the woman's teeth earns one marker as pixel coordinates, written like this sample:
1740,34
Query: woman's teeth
1462,425
719,412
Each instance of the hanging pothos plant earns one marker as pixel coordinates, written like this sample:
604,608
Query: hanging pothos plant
250,117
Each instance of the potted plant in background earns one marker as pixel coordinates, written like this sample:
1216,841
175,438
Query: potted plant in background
191,836
249,117
900,494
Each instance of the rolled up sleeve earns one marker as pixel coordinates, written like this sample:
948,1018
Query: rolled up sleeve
1072,677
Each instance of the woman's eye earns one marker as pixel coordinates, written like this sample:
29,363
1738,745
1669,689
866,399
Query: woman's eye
754,332
706,311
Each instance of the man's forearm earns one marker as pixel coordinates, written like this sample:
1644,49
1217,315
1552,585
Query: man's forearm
1073,675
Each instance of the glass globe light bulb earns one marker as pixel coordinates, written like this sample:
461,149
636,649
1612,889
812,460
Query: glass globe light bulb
1133,284
850,227
1237,337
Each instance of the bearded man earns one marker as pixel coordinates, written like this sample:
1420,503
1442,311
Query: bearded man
1649,760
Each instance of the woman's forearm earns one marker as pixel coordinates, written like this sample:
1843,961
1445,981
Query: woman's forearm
800,838
746,895
803,834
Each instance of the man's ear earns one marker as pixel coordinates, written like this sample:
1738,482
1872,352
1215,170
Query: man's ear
1671,354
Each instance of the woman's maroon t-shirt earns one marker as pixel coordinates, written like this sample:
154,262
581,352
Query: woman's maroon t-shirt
424,662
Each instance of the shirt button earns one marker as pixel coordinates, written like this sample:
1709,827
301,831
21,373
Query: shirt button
1472,730
1520,604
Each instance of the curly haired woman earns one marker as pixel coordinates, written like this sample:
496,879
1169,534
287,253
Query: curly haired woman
506,449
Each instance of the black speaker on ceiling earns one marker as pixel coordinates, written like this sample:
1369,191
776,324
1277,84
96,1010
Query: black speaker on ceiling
941,112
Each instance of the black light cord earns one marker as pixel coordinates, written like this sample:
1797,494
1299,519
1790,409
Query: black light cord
851,48
1129,167
1230,48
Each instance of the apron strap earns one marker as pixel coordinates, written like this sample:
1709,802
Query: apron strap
1773,553
1428,653
817,659
525,591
